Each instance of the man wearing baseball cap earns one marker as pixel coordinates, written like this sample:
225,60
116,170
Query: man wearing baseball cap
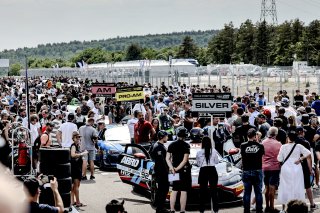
158,154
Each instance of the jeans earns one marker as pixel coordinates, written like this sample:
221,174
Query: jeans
252,178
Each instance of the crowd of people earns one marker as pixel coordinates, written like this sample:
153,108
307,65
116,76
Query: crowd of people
279,138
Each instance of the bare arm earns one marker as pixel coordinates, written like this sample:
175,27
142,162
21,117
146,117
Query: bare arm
59,139
183,162
169,162
309,160
57,198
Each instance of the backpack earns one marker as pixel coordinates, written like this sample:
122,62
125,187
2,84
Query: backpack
37,142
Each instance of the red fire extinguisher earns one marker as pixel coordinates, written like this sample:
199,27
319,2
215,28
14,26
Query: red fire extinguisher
22,154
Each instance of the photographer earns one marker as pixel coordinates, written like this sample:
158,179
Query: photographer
32,188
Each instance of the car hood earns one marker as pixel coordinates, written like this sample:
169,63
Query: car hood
118,133
105,145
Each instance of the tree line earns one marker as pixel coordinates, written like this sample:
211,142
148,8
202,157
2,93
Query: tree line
258,43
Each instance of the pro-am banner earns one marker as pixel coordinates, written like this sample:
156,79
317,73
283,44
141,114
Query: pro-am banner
130,93
103,89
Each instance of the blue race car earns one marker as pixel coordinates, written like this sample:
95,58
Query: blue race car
107,154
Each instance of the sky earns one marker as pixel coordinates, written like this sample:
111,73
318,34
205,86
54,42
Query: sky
27,23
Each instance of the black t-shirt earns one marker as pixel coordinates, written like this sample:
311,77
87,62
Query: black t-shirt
282,136
284,122
241,134
178,149
158,154
251,153
42,208
309,134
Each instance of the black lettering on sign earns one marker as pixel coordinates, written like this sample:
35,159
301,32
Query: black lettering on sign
104,90
212,105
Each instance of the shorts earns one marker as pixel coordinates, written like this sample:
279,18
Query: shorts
91,156
184,184
271,178
306,178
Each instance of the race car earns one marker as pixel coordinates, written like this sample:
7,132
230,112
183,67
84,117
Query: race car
135,167
108,154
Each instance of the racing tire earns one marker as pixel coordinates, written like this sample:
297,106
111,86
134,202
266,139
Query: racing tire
54,156
64,185
66,198
60,171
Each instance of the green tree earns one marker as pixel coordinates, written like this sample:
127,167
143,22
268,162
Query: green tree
312,43
134,52
244,49
221,47
91,56
202,56
187,49
284,47
15,69
261,43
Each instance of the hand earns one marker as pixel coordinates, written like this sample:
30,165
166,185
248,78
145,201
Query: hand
297,162
54,184
312,172
84,153
173,171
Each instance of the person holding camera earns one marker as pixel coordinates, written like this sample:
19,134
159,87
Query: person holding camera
76,168
32,188
89,138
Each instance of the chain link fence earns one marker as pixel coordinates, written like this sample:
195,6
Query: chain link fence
238,78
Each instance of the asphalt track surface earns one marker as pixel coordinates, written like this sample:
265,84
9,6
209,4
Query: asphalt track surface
107,186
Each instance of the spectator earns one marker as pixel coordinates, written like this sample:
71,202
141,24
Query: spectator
252,153
207,158
32,189
80,120
115,206
306,165
253,113
131,123
241,133
282,135
158,154
143,130
45,137
178,161
316,105
76,168
295,206
263,126
64,134
101,130
291,176
271,167
89,138
57,122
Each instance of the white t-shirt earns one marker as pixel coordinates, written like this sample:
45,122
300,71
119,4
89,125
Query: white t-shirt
131,124
66,130
90,104
160,106
140,108
34,132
